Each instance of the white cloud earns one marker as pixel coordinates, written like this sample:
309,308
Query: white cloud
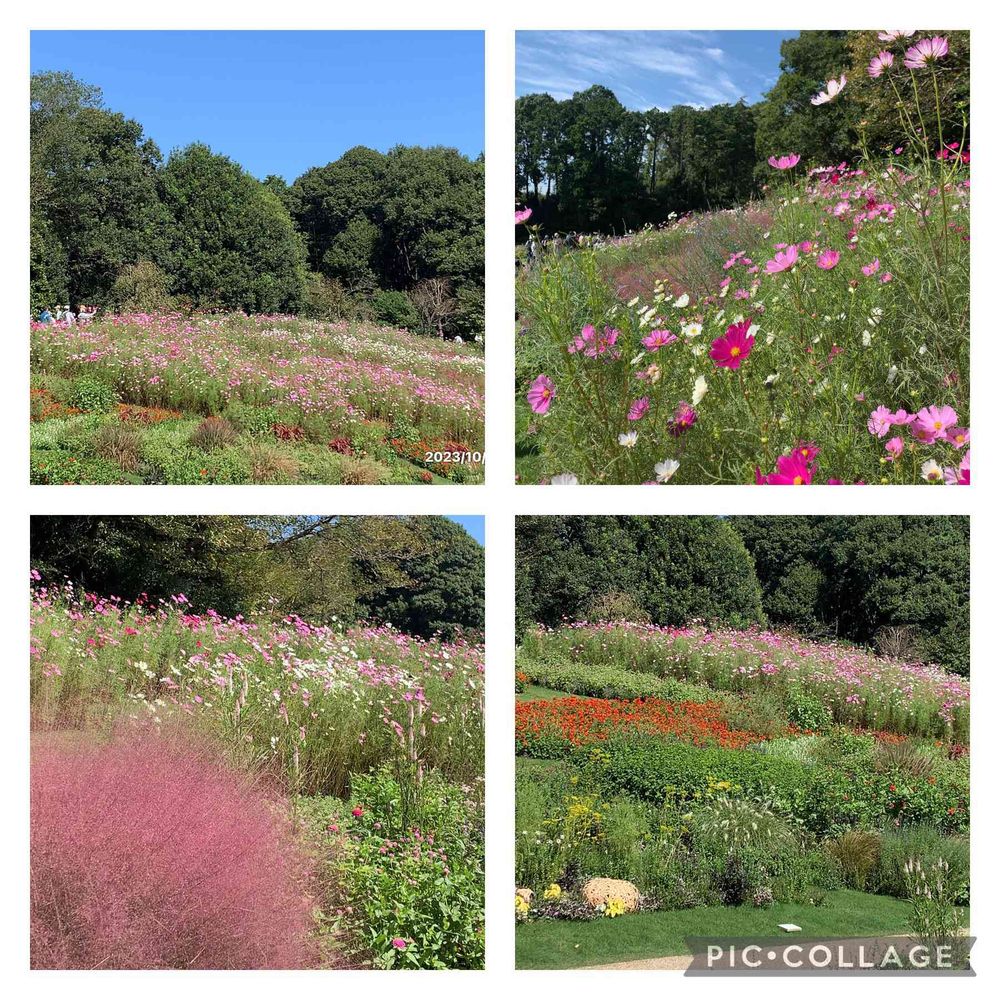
645,69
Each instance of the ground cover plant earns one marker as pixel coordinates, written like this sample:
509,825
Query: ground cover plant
817,334
682,780
230,398
352,753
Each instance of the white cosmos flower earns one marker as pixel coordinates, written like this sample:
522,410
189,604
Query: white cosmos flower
628,439
691,329
866,338
565,479
665,469
684,300
931,471
700,388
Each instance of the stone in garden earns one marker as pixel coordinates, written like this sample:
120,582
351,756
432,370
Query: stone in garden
599,890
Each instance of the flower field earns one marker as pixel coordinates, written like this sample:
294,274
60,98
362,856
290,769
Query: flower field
169,398
370,740
666,770
819,335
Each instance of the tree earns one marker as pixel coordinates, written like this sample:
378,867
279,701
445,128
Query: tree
676,569
446,592
232,242
788,121
93,193
435,303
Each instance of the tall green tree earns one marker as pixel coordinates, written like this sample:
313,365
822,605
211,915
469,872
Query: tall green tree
94,198
232,242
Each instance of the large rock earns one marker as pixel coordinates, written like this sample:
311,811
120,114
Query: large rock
599,890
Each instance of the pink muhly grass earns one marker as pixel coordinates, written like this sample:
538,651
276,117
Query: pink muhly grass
147,853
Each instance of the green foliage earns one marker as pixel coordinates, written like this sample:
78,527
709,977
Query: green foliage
142,287
422,883
232,242
92,395
675,569
858,575
394,309
445,585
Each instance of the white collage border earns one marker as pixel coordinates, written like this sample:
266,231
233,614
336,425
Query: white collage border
499,499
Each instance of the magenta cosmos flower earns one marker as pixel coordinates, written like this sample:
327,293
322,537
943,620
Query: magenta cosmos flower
894,448
521,215
540,394
639,408
658,339
891,36
828,260
790,470
685,416
785,162
595,345
932,423
731,348
925,52
782,260
879,64
399,944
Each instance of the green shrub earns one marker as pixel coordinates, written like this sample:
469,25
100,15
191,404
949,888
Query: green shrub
857,852
925,843
213,434
92,395
256,421
807,711
394,309
141,287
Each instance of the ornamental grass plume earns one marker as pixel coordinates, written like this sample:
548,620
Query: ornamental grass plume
147,853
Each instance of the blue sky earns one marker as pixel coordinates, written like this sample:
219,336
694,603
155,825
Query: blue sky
279,102
648,69
474,524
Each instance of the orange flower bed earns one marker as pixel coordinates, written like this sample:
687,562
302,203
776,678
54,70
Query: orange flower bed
129,413
580,721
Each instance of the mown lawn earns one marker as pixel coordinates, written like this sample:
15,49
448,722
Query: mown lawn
563,944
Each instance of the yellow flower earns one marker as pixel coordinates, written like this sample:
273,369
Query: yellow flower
520,905
554,891
614,907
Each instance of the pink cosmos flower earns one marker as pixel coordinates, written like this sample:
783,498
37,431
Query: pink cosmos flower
959,436
879,64
885,277
639,408
596,345
882,418
399,944
521,215
729,350
828,260
685,417
869,269
833,88
541,393
891,36
932,423
785,162
783,260
894,448
925,52
806,450
790,470
962,476
357,812
658,339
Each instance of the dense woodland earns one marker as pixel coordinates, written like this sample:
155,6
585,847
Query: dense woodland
899,584
422,574
396,237
590,164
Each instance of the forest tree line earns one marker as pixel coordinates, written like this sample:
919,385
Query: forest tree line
589,164
425,575
895,583
396,237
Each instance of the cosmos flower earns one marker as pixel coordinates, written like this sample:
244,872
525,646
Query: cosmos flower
785,162
932,423
628,439
931,472
925,52
657,339
894,448
782,260
699,390
729,350
665,469
564,479
828,260
891,36
521,215
639,408
833,88
879,64
541,393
